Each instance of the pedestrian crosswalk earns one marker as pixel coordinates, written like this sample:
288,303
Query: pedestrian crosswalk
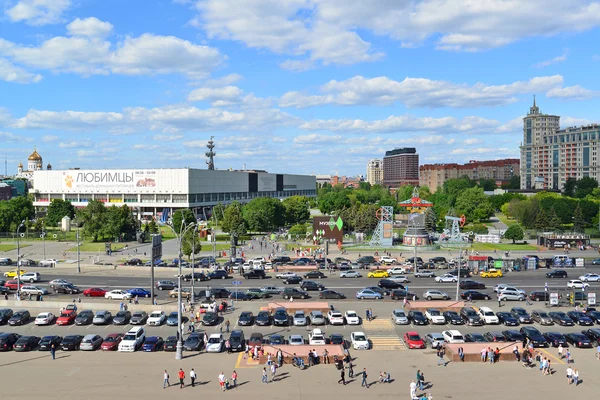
382,334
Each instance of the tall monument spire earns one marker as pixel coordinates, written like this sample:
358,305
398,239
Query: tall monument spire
211,154
534,109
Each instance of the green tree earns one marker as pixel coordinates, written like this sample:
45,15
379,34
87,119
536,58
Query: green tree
365,218
184,215
152,226
264,214
190,243
233,220
569,189
541,220
298,230
93,219
57,210
585,186
333,201
430,220
217,213
514,233
118,221
454,187
487,184
474,204
578,221
513,183
296,209
553,220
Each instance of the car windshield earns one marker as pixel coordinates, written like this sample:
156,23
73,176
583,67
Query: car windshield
488,313
110,339
434,312
399,314
360,338
18,314
414,337
351,314
155,315
214,340
457,337
121,314
295,339
209,315
68,339
452,314
193,339
86,313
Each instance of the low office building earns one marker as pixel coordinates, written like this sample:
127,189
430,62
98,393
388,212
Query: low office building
155,193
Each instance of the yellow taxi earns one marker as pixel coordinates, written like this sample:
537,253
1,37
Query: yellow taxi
13,273
492,273
378,273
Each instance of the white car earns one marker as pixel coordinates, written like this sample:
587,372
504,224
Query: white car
45,318
335,317
510,294
399,279
350,274
258,260
58,282
215,343
352,317
585,278
577,284
488,315
30,277
316,337
435,316
284,275
359,341
296,340
157,318
502,286
453,336
50,263
446,278
34,290
117,294
386,260
399,317
133,339
397,271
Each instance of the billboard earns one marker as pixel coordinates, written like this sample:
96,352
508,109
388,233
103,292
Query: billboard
109,180
329,227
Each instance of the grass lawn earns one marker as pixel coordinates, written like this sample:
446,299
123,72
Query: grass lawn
96,247
501,246
10,247
167,233
507,221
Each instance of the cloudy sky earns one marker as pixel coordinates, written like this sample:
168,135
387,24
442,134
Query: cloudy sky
298,86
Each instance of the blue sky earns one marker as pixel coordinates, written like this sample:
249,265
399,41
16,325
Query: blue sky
297,86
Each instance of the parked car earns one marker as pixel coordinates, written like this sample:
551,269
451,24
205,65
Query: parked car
280,317
521,314
85,317
47,341
453,336
316,318
19,318
417,318
470,316
557,273
560,318
111,342
556,339
541,317
263,318
580,318
8,340
474,338
413,340
331,294
359,341
256,339
434,316
71,342
453,318
210,318
90,342
351,317
246,318
215,343
237,341
157,318
194,342
434,339
507,319
171,344
122,318
578,340
335,317
513,335
138,318
494,337
173,319
26,343
94,292
153,343
102,317
535,336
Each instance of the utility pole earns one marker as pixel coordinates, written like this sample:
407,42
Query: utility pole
194,233
21,225
78,262
44,239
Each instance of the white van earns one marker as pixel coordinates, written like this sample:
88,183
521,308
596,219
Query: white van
316,337
488,315
133,339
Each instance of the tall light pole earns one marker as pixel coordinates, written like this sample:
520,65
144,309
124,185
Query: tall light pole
21,225
194,233
77,237
44,239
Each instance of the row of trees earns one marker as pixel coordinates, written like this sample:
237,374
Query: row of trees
14,211
101,223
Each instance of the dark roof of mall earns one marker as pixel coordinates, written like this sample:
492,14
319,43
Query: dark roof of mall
403,150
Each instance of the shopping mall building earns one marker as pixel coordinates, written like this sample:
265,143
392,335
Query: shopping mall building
156,193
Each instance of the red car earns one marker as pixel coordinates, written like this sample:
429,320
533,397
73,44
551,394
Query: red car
94,292
12,284
111,342
67,317
413,340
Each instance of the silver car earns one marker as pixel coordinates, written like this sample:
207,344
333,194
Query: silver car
434,339
91,342
317,318
102,317
299,318
509,294
435,295
541,317
399,317
350,274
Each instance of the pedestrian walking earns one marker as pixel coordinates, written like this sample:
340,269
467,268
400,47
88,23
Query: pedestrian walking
222,380
420,379
325,357
440,354
560,352
279,358
569,361
342,376
364,378
413,390
181,378
461,354
598,351
166,382
483,354
273,372
264,375
576,377
234,378
350,370
569,375
227,326
193,377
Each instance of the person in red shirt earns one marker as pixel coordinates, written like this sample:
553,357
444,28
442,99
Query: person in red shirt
181,378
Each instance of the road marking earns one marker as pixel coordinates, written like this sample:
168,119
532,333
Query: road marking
552,355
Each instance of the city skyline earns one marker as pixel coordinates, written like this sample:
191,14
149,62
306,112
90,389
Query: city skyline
287,86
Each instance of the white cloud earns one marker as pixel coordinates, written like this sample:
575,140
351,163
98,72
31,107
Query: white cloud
596,57
38,12
554,60
418,92
167,138
69,120
12,73
91,27
140,146
50,138
225,80
314,138
472,141
75,145
572,93
297,65
8,137
226,94
487,150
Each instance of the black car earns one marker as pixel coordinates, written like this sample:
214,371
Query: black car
401,294
295,293
494,337
276,339
26,343
241,296
255,274
594,315
4,289
336,338
5,315
168,285
138,318
560,318
512,335
417,318
218,274
522,315
388,284
535,337
470,316
263,318
578,339
474,295
194,342
438,260
20,318
246,318
593,334
292,280
8,340
539,295
464,273
67,288
557,273
170,344
237,340
314,275
475,337
134,261
210,318
121,318
311,285
281,260
71,342
371,260
469,284
220,293
556,339
507,319
453,318
580,318
84,318
280,317
331,294
198,277
47,341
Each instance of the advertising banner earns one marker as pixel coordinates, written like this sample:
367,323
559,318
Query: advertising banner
553,299
591,300
113,180
328,227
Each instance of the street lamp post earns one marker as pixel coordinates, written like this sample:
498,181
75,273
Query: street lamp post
77,237
21,225
194,233
44,239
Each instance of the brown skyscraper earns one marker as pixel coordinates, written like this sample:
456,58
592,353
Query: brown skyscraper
401,167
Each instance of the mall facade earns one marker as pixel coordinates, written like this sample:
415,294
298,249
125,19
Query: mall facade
156,193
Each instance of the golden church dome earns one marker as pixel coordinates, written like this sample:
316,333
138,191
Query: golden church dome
35,156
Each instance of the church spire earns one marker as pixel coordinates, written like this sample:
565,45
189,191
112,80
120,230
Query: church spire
534,106
534,109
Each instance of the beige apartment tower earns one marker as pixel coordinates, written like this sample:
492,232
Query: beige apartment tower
375,171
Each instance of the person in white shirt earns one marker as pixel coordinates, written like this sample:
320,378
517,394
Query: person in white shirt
570,375
273,372
413,390
560,352
576,377
166,380
193,376
222,380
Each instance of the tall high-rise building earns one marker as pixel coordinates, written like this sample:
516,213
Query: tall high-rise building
401,167
549,155
375,171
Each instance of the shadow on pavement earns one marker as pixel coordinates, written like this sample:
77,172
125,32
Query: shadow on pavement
31,359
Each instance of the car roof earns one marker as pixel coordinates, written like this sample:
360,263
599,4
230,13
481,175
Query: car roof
358,333
412,333
215,335
454,332
435,335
